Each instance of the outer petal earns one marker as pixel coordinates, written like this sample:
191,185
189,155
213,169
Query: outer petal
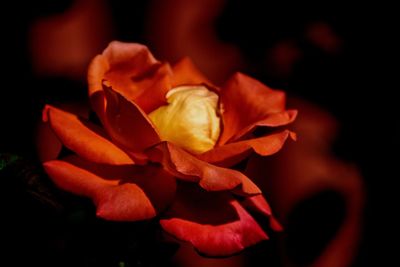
84,138
215,223
131,70
259,203
186,73
97,69
127,124
154,88
114,201
48,144
210,177
158,185
271,120
260,102
232,153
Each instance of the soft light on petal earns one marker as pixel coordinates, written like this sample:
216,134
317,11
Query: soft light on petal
131,70
86,139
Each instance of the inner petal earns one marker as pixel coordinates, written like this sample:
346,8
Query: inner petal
190,119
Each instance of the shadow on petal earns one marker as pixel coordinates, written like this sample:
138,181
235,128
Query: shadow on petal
158,185
186,73
215,223
127,124
189,168
120,193
242,92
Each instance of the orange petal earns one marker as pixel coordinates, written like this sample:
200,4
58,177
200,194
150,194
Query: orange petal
127,124
154,88
84,138
214,223
158,185
258,203
114,201
210,177
259,101
232,153
272,120
97,69
131,70
186,73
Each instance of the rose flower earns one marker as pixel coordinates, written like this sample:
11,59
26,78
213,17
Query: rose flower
167,139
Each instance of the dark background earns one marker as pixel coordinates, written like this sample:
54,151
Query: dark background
358,84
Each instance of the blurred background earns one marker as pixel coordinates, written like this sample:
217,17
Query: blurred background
334,61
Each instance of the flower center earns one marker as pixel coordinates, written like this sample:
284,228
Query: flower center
190,119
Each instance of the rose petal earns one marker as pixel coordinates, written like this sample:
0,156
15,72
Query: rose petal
259,101
158,185
84,138
127,59
114,201
130,57
275,225
127,124
272,120
130,69
230,154
259,203
214,223
154,88
97,69
48,144
210,177
186,73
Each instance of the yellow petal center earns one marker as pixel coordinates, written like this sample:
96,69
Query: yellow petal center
190,119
